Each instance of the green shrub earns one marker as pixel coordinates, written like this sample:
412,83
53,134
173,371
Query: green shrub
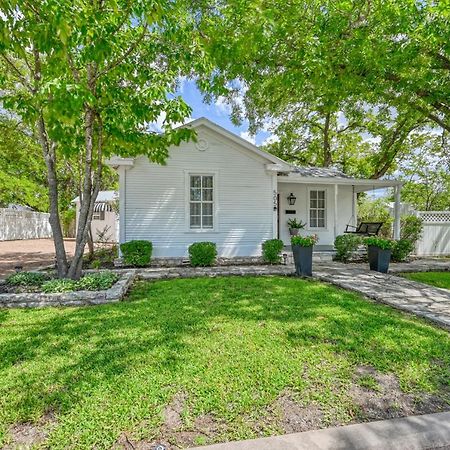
26,279
97,281
384,244
345,245
411,228
59,285
304,241
271,250
202,254
136,253
402,249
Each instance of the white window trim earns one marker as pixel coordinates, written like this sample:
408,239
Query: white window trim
187,197
313,188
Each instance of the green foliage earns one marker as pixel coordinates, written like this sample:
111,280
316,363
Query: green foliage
91,282
345,245
58,285
96,281
401,250
102,257
202,254
384,244
377,210
411,228
305,241
296,224
271,250
136,253
26,279
226,342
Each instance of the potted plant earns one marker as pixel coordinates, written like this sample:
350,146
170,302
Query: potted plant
295,225
302,248
379,252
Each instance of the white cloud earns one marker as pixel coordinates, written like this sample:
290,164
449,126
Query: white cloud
222,106
248,137
270,139
157,127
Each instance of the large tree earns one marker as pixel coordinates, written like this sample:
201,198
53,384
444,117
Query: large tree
88,77
301,64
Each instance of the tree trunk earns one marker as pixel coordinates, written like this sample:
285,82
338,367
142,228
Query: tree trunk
49,153
327,160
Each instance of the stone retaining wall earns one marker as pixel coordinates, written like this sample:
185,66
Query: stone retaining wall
76,298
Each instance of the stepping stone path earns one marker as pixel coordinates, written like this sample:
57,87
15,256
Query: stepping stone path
420,299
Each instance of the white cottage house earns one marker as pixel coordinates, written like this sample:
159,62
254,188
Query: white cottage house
224,189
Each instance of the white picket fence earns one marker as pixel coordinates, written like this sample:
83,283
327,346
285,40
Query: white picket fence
18,224
435,239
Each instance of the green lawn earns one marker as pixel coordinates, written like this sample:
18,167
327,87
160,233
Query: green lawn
225,349
438,279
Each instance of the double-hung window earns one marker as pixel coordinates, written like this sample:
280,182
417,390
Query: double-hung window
317,208
201,202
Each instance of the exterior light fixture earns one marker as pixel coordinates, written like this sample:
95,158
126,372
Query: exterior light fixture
291,199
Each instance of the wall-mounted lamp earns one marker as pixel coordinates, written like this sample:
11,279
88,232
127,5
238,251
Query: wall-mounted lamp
291,199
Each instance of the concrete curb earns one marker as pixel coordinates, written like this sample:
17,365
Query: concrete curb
430,431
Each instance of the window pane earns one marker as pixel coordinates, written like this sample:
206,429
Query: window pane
312,194
207,221
321,203
196,181
321,223
321,214
207,209
321,194
208,181
313,203
313,223
207,195
195,221
196,209
196,194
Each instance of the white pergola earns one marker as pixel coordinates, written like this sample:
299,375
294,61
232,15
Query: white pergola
359,185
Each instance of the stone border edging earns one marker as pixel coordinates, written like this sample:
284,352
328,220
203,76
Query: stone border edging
75,298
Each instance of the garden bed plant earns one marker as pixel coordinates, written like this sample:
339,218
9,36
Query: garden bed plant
23,282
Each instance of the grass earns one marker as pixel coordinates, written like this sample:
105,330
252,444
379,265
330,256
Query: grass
230,346
437,279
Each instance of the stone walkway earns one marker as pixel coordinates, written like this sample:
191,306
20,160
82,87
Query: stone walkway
420,299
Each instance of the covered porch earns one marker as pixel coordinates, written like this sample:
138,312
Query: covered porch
326,205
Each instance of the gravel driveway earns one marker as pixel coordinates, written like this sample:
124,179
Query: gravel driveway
30,254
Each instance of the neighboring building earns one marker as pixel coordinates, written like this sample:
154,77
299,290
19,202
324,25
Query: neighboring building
226,190
105,218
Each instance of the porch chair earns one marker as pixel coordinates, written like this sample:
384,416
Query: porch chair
365,228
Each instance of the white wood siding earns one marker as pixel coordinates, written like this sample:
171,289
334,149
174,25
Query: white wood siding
301,191
155,199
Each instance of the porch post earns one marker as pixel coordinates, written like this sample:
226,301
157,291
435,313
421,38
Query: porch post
335,211
122,200
397,212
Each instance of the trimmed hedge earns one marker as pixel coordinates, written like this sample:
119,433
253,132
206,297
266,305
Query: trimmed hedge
136,253
202,254
271,250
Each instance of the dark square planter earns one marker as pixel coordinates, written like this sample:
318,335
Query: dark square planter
303,260
379,259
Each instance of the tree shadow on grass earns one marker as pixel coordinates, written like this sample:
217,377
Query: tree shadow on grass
55,358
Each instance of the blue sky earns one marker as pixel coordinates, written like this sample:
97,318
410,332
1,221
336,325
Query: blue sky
217,112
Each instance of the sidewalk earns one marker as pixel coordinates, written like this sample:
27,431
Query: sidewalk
430,431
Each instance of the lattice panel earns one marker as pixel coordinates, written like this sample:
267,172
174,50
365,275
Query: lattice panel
435,216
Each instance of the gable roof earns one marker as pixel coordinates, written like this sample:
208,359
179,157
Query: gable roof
203,121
